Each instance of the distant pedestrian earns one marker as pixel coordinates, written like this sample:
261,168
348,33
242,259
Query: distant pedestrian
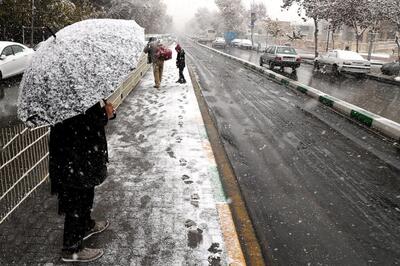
347,48
180,63
158,63
78,158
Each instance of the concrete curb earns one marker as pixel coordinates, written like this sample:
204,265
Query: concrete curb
371,120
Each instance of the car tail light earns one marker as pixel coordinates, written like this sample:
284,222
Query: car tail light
298,59
278,58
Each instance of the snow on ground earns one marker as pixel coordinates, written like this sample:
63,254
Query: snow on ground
160,164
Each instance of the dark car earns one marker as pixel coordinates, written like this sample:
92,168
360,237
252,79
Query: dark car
281,56
391,69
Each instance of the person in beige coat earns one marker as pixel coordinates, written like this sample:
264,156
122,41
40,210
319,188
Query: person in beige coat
158,64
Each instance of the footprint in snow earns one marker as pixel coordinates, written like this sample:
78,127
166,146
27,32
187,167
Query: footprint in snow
170,152
187,180
180,123
215,257
195,234
178,139
195,199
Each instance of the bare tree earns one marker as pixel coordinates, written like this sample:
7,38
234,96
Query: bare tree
150,14
232,12
392,13
314,9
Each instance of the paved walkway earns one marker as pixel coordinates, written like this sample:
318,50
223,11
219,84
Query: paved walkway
161,194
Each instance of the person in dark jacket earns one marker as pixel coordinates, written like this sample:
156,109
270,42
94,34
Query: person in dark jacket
77,164
180,63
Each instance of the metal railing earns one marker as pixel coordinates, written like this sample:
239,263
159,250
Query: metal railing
24,152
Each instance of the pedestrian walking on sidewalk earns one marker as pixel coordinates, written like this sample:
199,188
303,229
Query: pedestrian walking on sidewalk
78,158
158,63
180,63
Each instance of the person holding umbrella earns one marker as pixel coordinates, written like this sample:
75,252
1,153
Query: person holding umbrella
64,87
78,163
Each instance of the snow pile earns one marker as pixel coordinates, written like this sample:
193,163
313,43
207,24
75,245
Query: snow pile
84,64
397,78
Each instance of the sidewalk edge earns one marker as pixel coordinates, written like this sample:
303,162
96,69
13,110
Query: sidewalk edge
237,211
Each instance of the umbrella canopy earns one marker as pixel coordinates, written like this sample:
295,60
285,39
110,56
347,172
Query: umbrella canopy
85,63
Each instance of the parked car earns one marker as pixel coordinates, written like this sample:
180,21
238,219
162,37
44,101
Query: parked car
246,44
203,40
343,61
391,69
14,58
236,42
219,43
281,56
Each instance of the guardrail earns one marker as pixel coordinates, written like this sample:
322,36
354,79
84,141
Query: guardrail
24,152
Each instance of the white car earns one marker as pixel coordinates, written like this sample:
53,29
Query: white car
14,58
219,43
236,42
246,44
343,61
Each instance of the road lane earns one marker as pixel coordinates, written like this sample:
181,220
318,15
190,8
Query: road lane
319,188
374,96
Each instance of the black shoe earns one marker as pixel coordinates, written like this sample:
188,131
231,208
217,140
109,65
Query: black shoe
98,227
84,255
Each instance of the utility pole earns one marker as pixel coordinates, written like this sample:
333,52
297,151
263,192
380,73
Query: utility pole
33,21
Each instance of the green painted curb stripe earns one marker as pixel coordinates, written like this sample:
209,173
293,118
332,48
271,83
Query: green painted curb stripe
326,101
302,89
219,193
271,75
366,120
285,82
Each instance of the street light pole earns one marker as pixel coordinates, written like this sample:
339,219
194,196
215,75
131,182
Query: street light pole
33,18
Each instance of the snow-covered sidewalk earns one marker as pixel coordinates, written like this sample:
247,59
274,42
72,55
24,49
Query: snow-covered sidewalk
163,182
163,195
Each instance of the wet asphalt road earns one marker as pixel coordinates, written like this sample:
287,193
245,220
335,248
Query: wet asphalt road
377,97
320,189
8,101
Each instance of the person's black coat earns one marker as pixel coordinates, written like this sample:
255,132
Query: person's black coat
78,151
180,59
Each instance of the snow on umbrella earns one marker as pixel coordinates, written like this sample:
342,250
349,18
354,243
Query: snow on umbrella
85,63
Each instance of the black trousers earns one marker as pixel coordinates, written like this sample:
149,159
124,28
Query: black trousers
181,76
77,205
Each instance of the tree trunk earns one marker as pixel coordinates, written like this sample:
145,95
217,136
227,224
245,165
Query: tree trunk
327,40
357,41
371,43
316,37
333,40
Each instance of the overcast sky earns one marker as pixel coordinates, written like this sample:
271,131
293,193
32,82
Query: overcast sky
183,10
